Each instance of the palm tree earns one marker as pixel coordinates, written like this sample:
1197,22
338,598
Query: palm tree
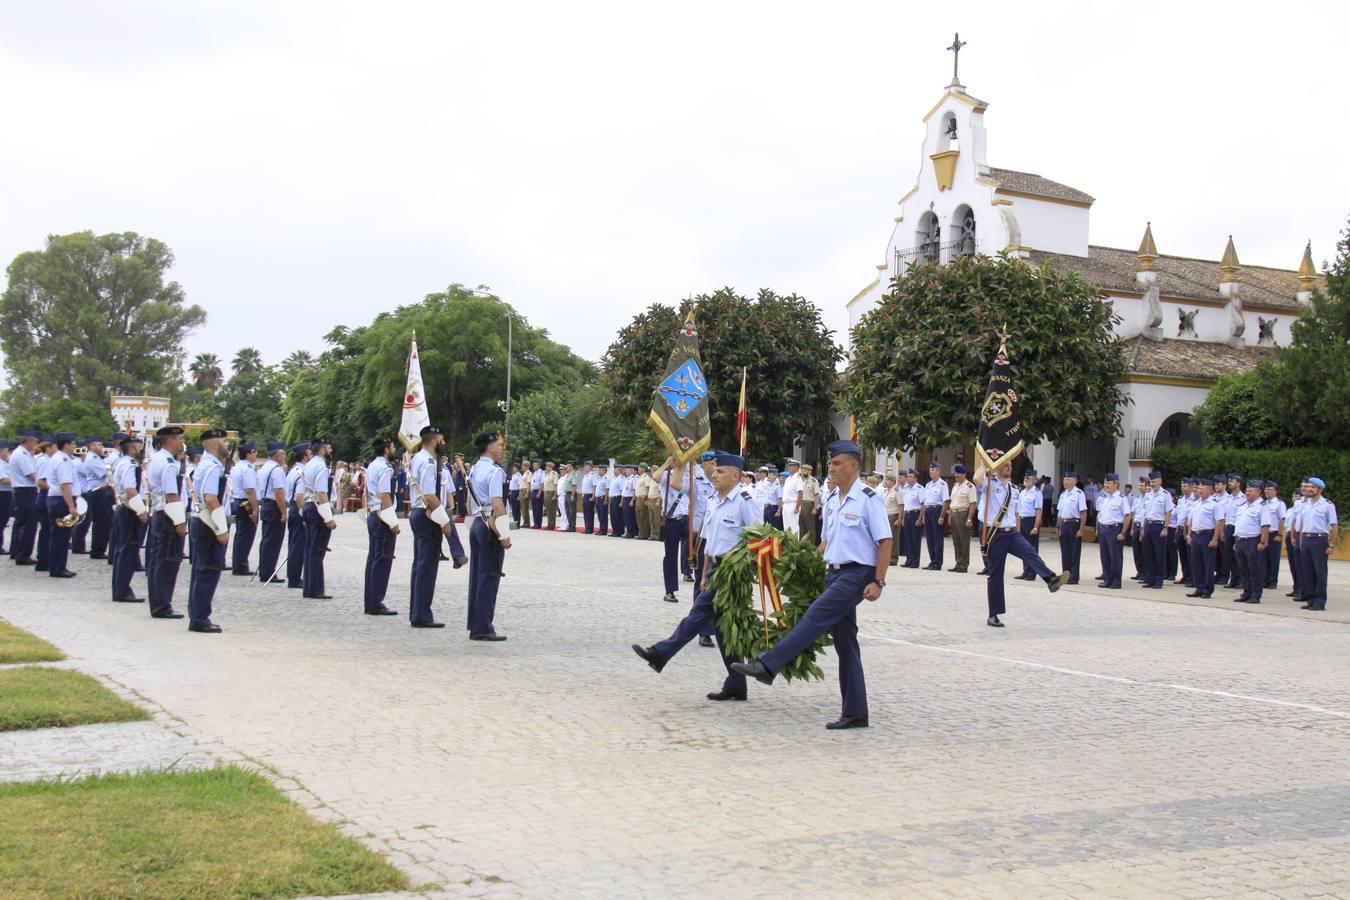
297,361
206,372
247,361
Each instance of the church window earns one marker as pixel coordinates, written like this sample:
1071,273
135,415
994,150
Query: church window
964,220
928,238
947,138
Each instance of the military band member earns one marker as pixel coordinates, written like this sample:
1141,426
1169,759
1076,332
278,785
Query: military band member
1204,525
487,542
23,476
318,515
856,545
588,479
1278,511
1113,522
1001,514
1318,533
1072,514
131,513
382,528
112,454
61,493
210,530
429,520
602,499
98,497
273,511
295,521
243,505
730,512
168,524
936,502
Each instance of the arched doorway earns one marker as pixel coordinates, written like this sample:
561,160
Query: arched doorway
1177,431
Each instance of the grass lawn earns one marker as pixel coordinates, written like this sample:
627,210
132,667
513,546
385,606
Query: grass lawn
219,833
18,646
38,697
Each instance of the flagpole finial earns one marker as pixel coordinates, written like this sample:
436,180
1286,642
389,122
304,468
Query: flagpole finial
414,337
1003,339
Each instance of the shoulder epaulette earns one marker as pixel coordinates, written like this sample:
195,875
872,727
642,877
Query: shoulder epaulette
869,492
746,495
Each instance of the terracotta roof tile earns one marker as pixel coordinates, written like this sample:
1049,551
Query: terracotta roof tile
1191,359
1029,183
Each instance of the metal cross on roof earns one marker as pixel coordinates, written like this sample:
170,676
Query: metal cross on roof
956,46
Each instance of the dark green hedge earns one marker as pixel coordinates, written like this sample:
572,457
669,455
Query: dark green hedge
1288,467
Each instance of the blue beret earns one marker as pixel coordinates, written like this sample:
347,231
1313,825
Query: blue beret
961,470
1317,482
707,455
46,439
1255,483
839,448
1204,482
730,459
1030,473
1111,476
195,451
120,436
274,446
247,447
93,439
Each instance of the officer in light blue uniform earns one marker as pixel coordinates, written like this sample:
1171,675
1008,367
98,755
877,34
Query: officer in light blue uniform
674,497
127,522
513,494
936,500
1030,512
295,522
272,511
911,532
602,499
6,492
730,512
704,494
857,549
1203,526
450,500
487,548
318,515
23,477
616,483
1278,511
1113,520
629,502
537,494
1319,531
62,489
208,539
588,479
168,524
1071,514
46,449
425,474
244,499
99,496
79,544
1000,514
1251,536
382,528
1155,508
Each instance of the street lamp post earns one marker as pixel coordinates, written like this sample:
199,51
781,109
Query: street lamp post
503,405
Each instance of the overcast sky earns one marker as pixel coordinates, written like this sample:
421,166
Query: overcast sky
313,163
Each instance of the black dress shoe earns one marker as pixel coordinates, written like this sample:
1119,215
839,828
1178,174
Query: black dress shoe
245,573
649,657
40,568
671,598
1293,594
725,694
1072,581
79,552
847,722
205,627
993,622
66,574
688,577
1057,582
318,596
139,569
1307,606
25,562
487,637
461,562
1254,601
443,557
129,599
1243,599
98,556
296,587
428,624
382,611
168,615
705,641
754,669
982,572
274,580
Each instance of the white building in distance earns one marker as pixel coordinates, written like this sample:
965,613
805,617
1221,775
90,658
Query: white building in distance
1183,321
139,413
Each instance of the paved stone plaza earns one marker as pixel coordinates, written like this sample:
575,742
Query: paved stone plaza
1099,745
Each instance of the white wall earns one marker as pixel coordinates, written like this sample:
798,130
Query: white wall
1151,405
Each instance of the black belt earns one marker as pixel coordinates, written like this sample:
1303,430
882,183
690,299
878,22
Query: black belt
1156,522
932,505
848,565
1255,537
1313,533
1009,529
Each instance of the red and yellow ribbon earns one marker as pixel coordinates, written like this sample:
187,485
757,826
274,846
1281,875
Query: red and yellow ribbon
767,551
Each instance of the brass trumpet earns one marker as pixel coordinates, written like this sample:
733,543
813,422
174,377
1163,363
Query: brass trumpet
69,521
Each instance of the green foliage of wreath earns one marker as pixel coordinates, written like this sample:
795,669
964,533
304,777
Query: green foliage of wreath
800,571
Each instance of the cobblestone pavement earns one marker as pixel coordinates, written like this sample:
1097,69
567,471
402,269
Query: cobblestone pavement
1099,745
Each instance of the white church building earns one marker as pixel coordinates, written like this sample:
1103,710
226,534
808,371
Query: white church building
1183,322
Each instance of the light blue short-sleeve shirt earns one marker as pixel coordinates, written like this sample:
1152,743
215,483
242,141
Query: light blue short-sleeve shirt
854,525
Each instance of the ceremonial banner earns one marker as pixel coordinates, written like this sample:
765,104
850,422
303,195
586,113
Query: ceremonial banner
742,417
1000,437
415,416
679,413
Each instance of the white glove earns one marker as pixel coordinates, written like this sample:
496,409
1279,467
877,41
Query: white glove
136,504
388,517
176,513
502,525
438,515
325,511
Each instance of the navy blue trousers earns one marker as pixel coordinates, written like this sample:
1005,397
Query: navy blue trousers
6,508
456,548
629,517
513,500
1112,553
588,512
1313,577
1002,545
100,518
1252,566
702,620
932,532
616,516
1155,554
125,543
25,524
316,548
1227,568
1273,559
208,559
1202,561
245,530
1295,562
273,536
537,507
485,565
79,535
295,547
911,538
426,563
380,545
163,556
1025,525
602,515
58,551
1070,548
835,611
44,531
674,536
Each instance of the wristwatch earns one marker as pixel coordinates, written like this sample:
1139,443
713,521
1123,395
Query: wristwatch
879,582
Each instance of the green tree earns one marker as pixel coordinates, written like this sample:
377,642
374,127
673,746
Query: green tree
1237,414
298,361
539,427
921,358
1309,381
92,313
251,403
781,339
206,373
325,401
247,361
80,417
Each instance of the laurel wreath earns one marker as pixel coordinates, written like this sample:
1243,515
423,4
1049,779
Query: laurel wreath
800,575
